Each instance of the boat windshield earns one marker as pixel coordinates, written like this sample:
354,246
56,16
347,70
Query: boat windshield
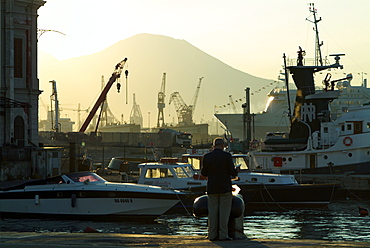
85,177
172,172
195,162
158,173
240,162
183,171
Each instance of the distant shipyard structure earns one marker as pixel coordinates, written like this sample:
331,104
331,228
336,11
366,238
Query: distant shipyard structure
20,154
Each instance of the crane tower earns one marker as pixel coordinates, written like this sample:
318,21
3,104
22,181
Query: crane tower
185,112
136,117
115,75
161,104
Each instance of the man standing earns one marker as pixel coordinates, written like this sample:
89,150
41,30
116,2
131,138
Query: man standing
218,166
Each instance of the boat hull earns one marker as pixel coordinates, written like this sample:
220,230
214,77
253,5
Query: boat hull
86,203
281,198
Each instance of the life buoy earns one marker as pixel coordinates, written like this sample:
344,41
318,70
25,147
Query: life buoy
347,141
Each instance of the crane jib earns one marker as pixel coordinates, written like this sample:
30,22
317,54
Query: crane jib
116,74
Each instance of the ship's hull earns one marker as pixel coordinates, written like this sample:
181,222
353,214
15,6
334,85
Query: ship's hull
281,198
85,194
86,203
340,158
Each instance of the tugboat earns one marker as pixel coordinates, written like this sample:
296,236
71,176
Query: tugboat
316,143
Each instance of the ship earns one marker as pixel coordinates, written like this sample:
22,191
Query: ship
316,142
273,118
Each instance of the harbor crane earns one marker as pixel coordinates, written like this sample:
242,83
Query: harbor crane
136,117
105,114
185,112
115,75
161,104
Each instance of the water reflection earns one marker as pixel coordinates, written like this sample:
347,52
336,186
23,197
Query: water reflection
340,222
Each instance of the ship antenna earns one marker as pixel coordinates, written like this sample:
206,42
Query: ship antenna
287,88
318,44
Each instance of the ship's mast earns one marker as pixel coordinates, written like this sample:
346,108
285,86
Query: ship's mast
318,44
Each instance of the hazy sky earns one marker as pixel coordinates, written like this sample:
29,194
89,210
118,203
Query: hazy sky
248,35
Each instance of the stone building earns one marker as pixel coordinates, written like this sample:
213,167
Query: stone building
19,89
19,93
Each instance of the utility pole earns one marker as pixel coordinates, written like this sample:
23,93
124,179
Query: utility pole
54,97
247,119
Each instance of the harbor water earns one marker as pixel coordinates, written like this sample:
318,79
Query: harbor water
340,222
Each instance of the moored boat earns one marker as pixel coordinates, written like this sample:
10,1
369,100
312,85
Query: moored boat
260,191
317,143
169,173
84,195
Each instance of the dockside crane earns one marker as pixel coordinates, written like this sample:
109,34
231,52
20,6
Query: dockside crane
161,104
185,112
115,75
195,97
136,117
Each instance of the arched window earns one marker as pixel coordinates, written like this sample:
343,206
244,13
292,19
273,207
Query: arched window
19,130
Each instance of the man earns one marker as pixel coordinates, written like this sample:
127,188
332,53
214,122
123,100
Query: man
218,166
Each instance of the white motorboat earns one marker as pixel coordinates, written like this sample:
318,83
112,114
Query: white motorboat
169,173
245,175
260,191
85,194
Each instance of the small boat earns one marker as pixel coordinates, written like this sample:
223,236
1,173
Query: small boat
171,174
85,194
274,191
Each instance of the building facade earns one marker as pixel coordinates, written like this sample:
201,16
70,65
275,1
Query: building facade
20,153
19,85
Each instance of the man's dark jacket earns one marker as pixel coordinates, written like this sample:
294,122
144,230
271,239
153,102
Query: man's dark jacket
218,166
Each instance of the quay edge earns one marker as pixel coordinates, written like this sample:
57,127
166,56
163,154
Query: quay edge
105,240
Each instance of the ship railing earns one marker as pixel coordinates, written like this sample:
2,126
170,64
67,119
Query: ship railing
308,62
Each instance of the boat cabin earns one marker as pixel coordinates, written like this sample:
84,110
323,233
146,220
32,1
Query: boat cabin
196,160
169,173
245,174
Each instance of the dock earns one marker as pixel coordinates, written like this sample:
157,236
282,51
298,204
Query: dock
109,240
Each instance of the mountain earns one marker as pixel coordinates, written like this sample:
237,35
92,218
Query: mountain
149,56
